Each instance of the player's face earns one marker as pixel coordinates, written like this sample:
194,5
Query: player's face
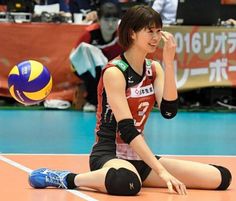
148,38
109,24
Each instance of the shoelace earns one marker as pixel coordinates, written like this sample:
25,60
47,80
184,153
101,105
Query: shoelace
55,180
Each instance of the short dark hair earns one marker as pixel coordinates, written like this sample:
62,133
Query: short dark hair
135,19
108,9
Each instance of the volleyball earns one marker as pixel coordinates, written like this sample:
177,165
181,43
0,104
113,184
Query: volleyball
29,82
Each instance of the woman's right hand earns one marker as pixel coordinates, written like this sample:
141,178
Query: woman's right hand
172,183
169,48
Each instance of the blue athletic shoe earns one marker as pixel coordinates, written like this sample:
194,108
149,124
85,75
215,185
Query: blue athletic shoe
43,177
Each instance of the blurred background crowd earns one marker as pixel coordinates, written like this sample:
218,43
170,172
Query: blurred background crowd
170,10
102,18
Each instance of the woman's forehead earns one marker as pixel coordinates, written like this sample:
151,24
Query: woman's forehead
153,26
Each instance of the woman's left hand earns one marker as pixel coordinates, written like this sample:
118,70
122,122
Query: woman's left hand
173,183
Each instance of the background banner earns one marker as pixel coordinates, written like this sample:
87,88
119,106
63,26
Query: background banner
205,56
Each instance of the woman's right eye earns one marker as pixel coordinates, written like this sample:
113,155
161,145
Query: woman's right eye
150,30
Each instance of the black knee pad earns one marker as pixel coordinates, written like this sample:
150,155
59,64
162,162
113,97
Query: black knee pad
122,182
226,177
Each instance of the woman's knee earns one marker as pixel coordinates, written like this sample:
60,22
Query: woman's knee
122,181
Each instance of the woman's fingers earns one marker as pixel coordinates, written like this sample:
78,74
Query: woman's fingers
164,36
184,190
170,187
178,187
167,36
173,183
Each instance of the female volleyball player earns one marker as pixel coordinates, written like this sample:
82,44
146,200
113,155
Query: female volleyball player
121,161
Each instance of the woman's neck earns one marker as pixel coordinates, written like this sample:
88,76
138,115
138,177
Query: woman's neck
136,59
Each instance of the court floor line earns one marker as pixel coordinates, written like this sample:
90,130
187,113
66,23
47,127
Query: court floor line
28,170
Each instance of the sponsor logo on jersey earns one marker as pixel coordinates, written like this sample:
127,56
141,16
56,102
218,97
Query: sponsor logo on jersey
142,91
121,64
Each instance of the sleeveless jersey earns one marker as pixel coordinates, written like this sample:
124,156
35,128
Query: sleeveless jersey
141,98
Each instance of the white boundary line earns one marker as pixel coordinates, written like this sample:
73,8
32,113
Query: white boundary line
21,167
15,164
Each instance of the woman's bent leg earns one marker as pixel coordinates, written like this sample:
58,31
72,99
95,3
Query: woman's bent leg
192,174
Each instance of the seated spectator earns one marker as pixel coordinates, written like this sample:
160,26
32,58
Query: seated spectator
64,6
98,45
167,10
88,8
56,11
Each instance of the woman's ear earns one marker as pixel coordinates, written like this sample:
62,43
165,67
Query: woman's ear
132,34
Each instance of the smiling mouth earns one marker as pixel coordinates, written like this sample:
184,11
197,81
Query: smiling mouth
153,45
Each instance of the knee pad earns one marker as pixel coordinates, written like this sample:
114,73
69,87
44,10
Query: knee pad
226,177
122,182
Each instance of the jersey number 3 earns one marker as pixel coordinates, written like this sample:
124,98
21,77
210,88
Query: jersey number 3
142,109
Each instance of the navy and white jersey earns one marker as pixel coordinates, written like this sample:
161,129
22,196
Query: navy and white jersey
141,99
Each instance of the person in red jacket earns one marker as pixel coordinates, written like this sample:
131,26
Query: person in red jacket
98,45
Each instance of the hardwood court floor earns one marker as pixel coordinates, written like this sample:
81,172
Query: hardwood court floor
37,134
15,168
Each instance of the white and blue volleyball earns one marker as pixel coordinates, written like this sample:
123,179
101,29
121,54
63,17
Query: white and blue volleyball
29,82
